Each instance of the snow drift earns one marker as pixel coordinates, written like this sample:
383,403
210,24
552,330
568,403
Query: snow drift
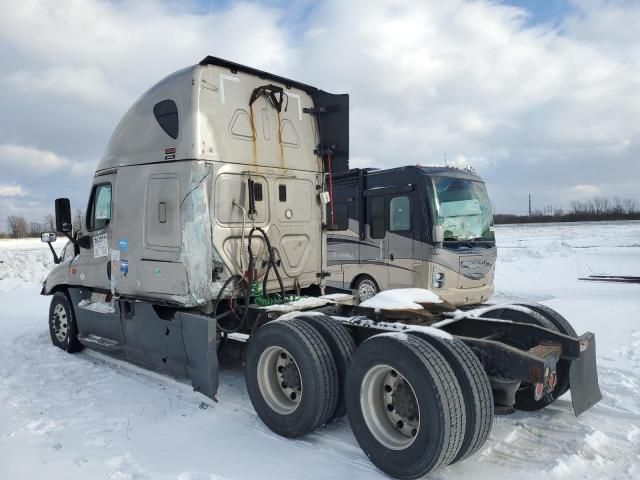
89,416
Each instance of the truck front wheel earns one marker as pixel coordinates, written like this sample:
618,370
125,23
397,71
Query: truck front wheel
62,324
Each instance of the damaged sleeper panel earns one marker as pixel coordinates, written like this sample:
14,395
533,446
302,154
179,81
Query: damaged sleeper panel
172,215
197,241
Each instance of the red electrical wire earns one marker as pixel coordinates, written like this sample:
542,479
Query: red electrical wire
330,189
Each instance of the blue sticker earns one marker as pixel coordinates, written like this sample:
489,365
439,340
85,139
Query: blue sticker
123,245
124,266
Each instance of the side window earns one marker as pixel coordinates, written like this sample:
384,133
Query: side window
340,216
99,214
376,219
257,191
399,214
166,113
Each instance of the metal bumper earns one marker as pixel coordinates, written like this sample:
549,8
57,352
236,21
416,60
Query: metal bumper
583,376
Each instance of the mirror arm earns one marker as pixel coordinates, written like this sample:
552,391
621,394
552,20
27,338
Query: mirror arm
437,236
56,259
70,237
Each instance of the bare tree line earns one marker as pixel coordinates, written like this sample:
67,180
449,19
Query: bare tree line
594,209
18,227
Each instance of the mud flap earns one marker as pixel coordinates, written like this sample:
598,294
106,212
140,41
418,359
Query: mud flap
199,335
583,376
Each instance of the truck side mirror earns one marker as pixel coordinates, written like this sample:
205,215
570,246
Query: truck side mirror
48,237
438,234
63,215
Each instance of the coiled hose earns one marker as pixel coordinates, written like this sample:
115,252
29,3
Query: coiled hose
271,263
242,319
249,287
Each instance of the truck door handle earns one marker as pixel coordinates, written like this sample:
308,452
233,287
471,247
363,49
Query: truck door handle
109,269
162,212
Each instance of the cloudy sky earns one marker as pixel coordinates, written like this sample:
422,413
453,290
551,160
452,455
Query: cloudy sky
538,96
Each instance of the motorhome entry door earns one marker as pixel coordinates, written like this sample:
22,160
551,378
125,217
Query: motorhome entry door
400,241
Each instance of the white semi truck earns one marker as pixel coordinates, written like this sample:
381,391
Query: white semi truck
205,233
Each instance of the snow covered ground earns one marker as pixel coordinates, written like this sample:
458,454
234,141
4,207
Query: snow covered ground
89,416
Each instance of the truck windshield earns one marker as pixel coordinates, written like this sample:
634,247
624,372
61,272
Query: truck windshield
463,209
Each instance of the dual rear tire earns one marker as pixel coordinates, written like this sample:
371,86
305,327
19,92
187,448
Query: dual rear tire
295,372
415,402
291,377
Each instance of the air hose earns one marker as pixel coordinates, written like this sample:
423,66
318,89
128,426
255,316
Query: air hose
271,263
250,288
242,319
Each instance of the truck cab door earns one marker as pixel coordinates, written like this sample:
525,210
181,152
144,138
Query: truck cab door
400,241
93,264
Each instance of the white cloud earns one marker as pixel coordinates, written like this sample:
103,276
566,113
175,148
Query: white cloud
12,191
84,84
26,161
30,160
83,169
586,189
130,44
533,108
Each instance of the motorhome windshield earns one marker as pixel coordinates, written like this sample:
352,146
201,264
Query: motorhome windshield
463,209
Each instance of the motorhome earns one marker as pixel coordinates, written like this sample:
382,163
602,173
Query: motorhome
412,226
205,235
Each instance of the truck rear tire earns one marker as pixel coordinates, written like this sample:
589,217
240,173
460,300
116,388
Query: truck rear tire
291,377
525,399
62,324
476,390
405,405
342,348
561,323
563,326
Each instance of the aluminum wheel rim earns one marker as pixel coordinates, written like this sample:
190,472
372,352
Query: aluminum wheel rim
60,325
366,290
275,366
383,390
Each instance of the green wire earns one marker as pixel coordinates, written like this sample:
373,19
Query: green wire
266,300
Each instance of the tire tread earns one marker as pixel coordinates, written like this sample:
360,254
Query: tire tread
328,375
341,344
453,404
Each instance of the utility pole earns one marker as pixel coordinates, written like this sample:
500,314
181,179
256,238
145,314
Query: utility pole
529,204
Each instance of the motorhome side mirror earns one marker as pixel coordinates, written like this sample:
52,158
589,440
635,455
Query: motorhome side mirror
63,215
438,234
48,237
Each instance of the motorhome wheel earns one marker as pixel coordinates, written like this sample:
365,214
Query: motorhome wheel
366,287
